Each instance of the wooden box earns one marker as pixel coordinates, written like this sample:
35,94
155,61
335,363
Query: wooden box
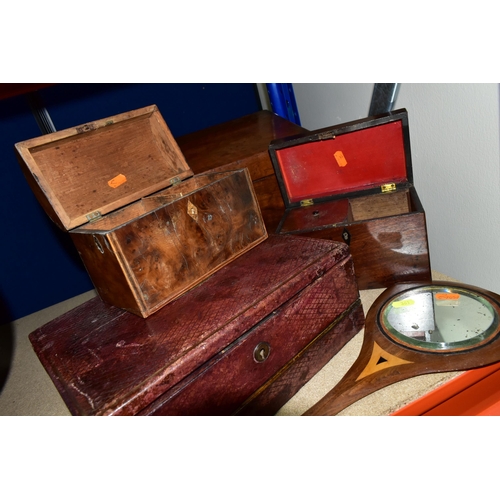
242,342
145,228
243,143
354,183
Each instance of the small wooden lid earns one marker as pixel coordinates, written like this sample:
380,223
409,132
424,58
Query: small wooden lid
351,158
93,169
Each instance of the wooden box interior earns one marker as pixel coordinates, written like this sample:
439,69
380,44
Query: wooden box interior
347,210
99,167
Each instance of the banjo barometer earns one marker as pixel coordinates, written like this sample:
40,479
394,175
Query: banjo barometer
418,328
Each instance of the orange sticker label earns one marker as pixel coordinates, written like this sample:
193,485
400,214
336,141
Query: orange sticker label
117,181
447,296
339,156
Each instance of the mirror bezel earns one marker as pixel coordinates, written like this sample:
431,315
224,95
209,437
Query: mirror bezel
423,345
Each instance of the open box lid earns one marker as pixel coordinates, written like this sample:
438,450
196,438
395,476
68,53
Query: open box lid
357,158
85,172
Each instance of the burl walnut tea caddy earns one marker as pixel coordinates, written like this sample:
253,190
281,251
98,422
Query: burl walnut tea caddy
146,229
354,183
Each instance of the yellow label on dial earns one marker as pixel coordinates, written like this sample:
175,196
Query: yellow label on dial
403,303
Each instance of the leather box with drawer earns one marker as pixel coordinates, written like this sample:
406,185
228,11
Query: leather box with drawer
242,342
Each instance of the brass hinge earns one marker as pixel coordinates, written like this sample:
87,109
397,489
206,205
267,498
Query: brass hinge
387,188
306,203
93,216
85,128
323,136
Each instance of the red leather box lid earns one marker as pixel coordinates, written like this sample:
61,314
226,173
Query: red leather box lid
349,158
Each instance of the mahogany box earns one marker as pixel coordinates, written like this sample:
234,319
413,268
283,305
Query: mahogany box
243,143
146,229
243,342
354,183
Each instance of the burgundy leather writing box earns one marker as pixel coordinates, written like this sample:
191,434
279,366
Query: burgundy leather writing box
354,183
242,342
145,228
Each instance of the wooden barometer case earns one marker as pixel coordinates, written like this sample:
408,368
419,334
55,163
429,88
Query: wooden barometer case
418,328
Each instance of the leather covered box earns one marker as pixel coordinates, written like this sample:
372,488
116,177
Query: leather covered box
243,342
146,229
354,183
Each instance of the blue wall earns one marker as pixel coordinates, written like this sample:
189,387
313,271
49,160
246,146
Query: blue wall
39,266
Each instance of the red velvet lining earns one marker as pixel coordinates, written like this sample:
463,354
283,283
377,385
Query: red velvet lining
374,156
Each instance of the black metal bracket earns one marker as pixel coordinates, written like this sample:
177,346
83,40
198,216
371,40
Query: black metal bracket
383,98
40,113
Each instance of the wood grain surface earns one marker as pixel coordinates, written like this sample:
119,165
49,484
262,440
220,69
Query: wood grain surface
142,261
243,142
383,362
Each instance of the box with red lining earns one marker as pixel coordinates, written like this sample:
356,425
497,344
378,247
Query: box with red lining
354,183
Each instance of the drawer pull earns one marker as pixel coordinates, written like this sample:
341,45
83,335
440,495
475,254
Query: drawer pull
261,352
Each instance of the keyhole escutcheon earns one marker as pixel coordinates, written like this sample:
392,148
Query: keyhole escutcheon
261,352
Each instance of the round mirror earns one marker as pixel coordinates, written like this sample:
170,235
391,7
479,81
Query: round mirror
435,318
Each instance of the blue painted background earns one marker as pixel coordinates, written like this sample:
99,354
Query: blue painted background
39,266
